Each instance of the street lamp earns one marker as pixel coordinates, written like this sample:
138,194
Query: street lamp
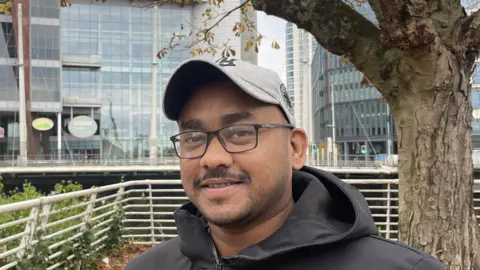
334,148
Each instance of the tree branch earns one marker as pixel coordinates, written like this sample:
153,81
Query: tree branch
405,24
226,15
470,29
339,29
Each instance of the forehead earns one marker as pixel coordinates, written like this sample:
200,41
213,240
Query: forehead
223,103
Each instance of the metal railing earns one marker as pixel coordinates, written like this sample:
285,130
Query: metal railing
147,215
349,161
81,160
342,161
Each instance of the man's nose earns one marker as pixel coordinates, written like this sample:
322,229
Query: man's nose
216,155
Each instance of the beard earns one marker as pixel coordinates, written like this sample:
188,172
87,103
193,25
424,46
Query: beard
251,204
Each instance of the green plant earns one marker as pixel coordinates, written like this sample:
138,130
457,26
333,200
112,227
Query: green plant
29,192
35,257
85,255
114,242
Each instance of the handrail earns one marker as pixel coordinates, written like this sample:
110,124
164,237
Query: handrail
147,209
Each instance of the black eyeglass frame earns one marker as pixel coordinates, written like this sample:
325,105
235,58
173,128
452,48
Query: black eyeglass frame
216,133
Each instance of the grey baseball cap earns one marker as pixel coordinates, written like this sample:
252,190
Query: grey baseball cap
262,84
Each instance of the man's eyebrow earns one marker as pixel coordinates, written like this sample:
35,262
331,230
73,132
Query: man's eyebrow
191,124
229,119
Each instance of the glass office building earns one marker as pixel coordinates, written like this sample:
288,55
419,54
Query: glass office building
92,60
362,117
42,70
120,38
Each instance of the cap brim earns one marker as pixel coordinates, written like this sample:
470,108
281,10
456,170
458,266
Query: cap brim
194,73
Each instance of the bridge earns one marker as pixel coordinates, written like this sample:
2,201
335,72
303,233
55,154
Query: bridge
135,213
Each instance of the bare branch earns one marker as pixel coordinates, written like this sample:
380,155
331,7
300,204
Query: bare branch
205,34
225,16
338,28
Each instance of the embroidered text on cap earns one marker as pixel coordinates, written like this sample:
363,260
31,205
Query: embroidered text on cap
226,62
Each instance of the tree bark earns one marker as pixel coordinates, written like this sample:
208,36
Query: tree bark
435,169
421,59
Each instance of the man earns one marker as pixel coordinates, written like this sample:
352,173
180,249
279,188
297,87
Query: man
254,205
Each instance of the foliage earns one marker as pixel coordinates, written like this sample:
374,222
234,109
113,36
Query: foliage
85,255
36,256
5,7
115,241
200,39
204,38
29,192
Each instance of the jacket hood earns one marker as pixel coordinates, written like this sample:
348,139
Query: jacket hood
326,211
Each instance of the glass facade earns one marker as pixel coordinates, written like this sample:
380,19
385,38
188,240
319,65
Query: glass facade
8,71
290,60
45,56
91,59
362,117
8,74
42,68
361,114
122,37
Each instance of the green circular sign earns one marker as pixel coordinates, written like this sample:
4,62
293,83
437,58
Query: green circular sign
42,124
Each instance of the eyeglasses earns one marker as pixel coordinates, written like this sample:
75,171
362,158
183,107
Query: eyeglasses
234,139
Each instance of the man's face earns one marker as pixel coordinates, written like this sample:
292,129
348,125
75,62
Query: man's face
232,189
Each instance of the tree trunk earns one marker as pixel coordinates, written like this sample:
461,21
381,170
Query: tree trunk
420,57
435,152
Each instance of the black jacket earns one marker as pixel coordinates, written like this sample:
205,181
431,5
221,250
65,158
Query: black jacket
330,228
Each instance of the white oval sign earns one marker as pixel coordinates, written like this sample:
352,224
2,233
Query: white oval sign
82,127
42,124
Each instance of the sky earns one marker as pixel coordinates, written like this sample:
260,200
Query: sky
272,28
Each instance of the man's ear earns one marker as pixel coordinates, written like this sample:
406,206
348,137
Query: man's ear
298,141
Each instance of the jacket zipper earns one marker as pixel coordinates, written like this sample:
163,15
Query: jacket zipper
218,261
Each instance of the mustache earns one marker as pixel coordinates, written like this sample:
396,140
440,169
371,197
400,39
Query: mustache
221,173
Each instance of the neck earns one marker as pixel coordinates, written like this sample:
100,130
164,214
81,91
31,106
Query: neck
230,241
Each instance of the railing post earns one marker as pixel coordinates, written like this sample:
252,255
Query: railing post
152,223
30,228
89,210
119,198
45,215
389,205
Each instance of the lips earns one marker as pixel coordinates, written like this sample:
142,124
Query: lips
219,183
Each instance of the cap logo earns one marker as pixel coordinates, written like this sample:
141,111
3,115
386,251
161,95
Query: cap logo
286,98
226,62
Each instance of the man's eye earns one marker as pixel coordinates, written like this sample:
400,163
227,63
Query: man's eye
193,138
242,133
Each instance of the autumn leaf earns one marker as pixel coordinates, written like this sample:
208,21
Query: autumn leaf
162,53
345,59
275,45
